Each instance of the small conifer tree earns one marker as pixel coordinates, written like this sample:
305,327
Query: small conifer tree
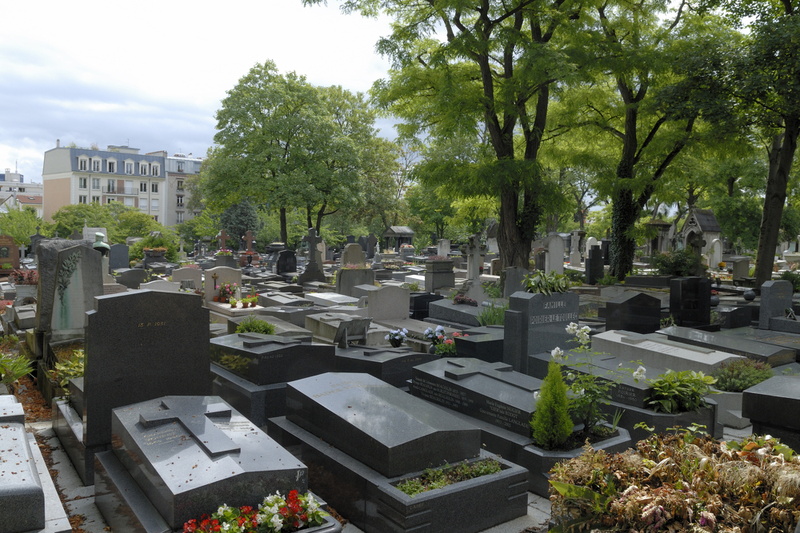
551,423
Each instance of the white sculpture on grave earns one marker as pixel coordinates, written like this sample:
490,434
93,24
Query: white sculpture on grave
554,262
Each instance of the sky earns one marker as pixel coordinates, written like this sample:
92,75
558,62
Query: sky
151,75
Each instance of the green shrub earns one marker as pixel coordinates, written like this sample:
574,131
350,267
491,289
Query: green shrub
251,324
69,369
551,422
575,276
679,392
493,315
538,281
436,478
741,374
492,289
679,263
793,278
13,367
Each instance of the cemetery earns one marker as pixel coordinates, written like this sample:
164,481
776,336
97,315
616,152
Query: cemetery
342,382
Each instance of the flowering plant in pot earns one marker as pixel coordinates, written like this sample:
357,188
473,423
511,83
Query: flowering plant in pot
226,291
295,512
396,337
224,252
447,347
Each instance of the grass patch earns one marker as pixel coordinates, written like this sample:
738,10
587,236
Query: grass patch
436,478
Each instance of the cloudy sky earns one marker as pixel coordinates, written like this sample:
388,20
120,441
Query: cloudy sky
152,74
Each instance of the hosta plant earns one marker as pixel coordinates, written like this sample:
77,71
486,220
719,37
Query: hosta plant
679,392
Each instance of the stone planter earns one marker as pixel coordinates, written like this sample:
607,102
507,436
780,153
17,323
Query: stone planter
224,261
47,386
439,274
443,265
729,410
707,416
539,461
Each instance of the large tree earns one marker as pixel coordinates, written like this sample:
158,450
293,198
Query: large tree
481,72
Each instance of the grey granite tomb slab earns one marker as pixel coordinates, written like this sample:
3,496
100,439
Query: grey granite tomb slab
492,392
786,340
22,504
773,406
776,297
758,351
377,424
392,365
190,454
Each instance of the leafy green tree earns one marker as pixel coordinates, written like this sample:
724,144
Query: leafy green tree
20,224
71,218
132,223
239,218
431,210
485,80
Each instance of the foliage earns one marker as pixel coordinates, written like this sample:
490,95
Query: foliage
71,218
447,347
12,367
237,219
546,284
434,335
462,299
251,324
227,290
741,374
678,263
679,392
397,336
607,280
492,289
165,239
436,478
430,208
551,423
493,314
24,277
679,482
133,223
793,278
68,369
575,276
21,223
275,513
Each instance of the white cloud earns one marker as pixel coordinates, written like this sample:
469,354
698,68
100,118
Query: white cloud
152,74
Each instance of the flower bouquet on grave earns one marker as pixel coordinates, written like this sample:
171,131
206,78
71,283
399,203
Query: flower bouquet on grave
434,336
226,291
275,513
396,337
447,348
224,252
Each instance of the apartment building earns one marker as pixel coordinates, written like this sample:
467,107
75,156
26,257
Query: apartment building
16,193
73,175
180,168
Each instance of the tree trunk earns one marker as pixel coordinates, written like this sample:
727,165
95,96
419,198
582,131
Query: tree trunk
514,248
284,231
780,164
624,213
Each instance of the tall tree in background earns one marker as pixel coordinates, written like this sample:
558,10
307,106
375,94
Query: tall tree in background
487,78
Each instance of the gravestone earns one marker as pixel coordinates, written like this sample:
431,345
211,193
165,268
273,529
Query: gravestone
514,280
353,255
9,253
313,271
491,392
89,233
348,278
773,406
385,303
192,275
419,307
634,311
78,280
535,323
392,365
554,260
372,243
776,298
47,257
575,256
474,252
36,238
605,245
757,351
690,301
187,455
286,263
131,278
218,276
118,257
590,243
161,285
594,265
139,346
360,434
715,253
443,248
439,274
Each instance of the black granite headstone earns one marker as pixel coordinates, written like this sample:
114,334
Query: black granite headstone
594,265
378,424
690,301
634,311
287,262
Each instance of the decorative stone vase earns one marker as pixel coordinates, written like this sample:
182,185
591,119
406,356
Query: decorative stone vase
396,343
749,295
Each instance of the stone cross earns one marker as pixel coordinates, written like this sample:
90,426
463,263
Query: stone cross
248,238
502,372
179,409
223,239
312,239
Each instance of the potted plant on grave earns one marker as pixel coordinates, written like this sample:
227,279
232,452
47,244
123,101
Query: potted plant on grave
234,302
295,512
569,414
733,378
447,347
396,337
226,291
435,336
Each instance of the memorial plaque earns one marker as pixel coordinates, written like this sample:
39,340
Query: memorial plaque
190,454
492,392
758,351
385,428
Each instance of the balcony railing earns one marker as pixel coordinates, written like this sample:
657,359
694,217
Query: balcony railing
127,191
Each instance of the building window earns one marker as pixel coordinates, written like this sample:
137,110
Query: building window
143,204
155,217
179,185
82,199
83,164
180,201
128,201
112,186
142,186
128,168
154,204
154,187
112,167
180,166
82,183
179,217
95,165
109,200
95,199
143,169
154,170
96,184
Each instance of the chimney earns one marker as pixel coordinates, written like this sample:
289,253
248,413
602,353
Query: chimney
58,143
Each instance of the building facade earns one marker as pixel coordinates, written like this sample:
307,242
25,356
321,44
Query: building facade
73,175
15,193
180,168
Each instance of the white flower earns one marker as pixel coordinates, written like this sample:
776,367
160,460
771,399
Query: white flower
572,328
639,374
570,376
557,354
386,337
579,392
536,395
276,522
